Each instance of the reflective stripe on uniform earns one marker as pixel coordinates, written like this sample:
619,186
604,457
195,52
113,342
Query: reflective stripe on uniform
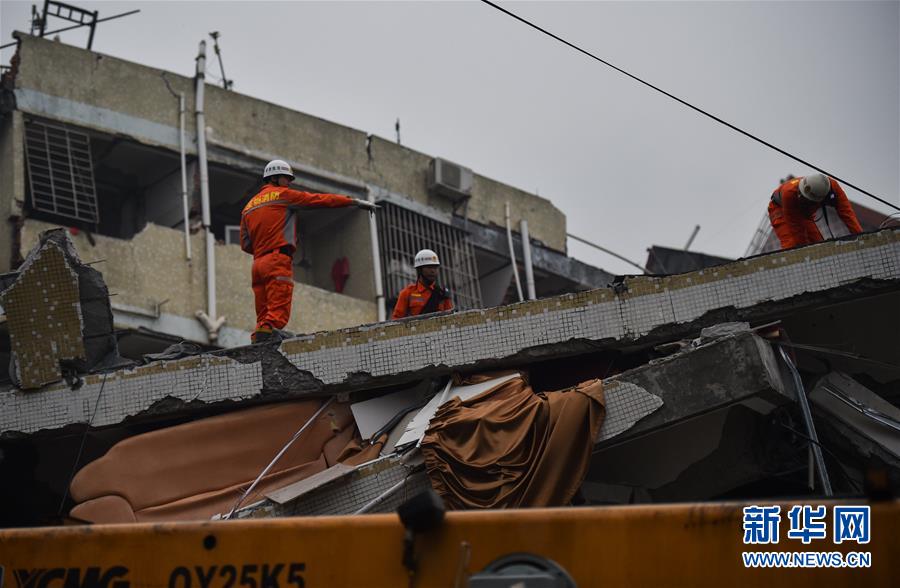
285,202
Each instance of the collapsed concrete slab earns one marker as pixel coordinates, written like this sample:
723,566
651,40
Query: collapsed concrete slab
58,313
870,424
739,368
736,368
639,311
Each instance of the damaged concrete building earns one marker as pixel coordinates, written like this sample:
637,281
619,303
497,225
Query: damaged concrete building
767,377
80,149
773,376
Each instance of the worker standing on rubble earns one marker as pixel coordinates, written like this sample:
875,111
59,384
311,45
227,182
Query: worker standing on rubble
794,204
269,233
425,296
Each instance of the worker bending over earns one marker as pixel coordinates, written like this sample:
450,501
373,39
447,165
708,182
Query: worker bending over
269,233
794,204
425,296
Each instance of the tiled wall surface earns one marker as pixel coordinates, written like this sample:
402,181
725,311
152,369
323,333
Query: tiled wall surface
43,310
107,399
456,340
626,404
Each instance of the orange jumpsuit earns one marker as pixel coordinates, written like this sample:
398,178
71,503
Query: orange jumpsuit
413,299
269,232
793,216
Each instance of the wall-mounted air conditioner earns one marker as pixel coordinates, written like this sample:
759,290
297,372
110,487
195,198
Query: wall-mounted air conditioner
449,180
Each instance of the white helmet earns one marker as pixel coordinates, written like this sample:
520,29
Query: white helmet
426,257
277,167
815,187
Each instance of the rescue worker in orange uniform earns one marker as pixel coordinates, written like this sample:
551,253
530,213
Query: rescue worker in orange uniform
269,233
794,204
425,296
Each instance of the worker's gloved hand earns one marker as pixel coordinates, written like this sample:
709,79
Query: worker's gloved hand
366,205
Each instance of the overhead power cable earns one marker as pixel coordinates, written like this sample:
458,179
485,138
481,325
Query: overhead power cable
688,104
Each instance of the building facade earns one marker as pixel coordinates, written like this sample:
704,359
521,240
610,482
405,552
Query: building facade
93,143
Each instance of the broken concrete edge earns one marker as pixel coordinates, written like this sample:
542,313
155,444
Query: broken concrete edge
632,287
173,407
86,322
291,383
830,427
661,333
503,331
748,368
839,398
49,242
270,372
289,379
757,315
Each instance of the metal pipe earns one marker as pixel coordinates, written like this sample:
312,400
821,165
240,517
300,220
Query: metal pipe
408,226
287,446
866,411
381,497
184,198
810,426
390,248
450,271
376,261
691,239
212,323
607,251
184,194
526,255
93,26
512,254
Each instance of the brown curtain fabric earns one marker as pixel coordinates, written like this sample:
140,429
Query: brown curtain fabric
194,470
510,447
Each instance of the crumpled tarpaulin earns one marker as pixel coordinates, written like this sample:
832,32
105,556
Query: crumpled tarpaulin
510,447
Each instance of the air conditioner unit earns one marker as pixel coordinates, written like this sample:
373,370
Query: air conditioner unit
450,180
232,234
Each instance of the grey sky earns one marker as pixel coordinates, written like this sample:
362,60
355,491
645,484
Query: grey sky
629,167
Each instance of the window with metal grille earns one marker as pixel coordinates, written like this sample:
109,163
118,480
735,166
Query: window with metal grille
402,233
60,171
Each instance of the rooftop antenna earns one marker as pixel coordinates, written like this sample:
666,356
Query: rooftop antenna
691,239
226,83
68,12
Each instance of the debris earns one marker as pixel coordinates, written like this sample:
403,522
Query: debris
375,414
58,314
176,351
867,414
